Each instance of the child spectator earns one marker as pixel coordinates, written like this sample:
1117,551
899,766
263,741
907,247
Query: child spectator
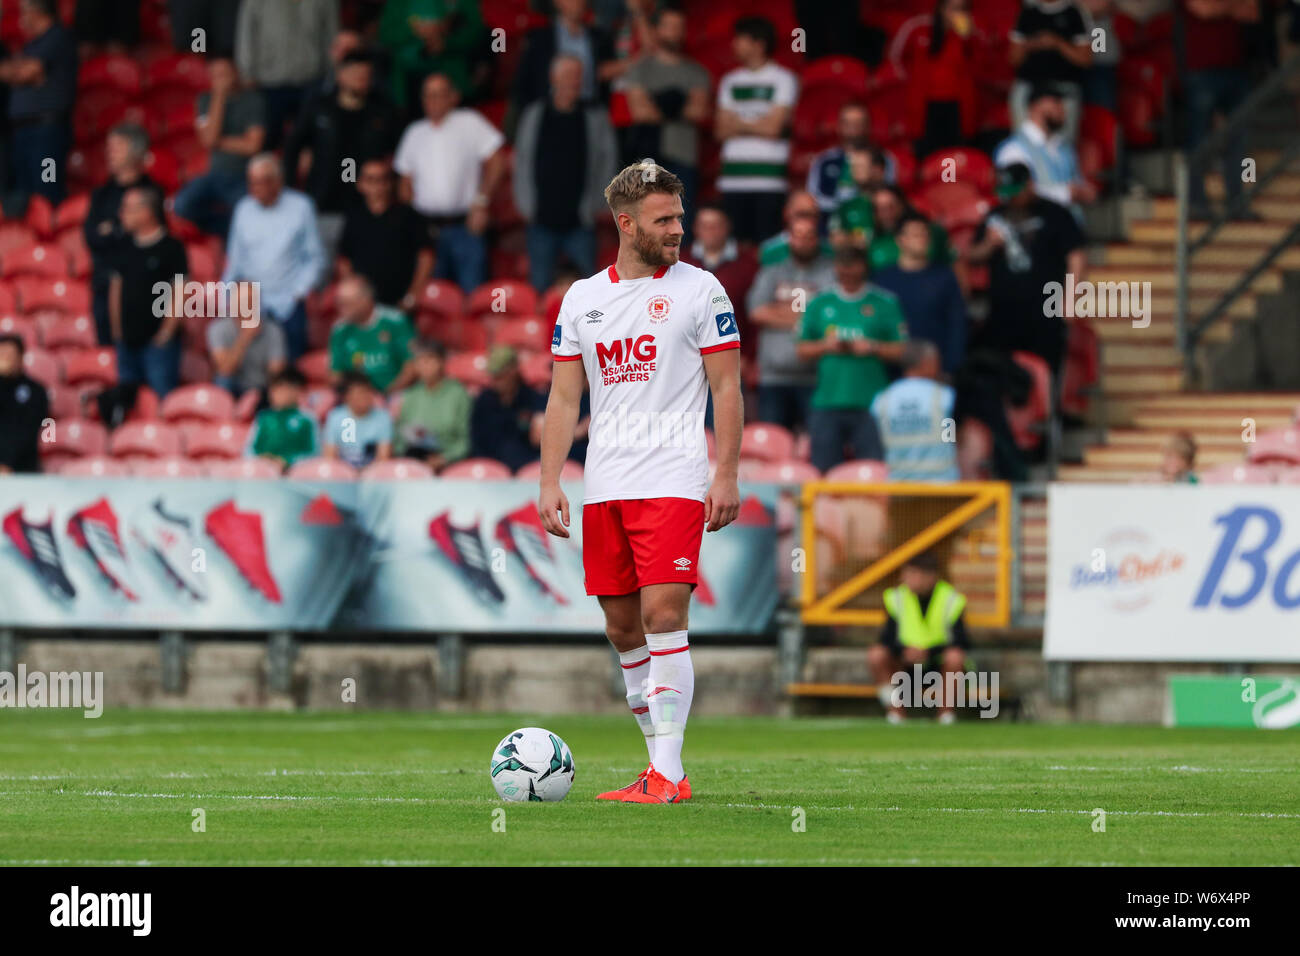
359,431
282,432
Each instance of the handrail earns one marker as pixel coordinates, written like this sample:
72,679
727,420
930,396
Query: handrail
1186,165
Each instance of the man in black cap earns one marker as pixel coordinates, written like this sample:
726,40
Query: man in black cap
1028,242
1040,144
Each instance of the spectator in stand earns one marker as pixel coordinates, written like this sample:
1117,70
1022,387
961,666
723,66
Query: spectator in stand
717,251
124,149
113,24
668,97
777,300
24,408
915,419
274,242
889,208
386,241
42,81
928,291
1041,145
506,423
283,48
755,102
216,19
450,163
565,156
1051,43
568,33
801,206
853,223
146,325
1027,242
246,353
941,87
1101,82
434,36
851,330
1178,466
828,176
433,422
360,431
348,125
232,127
368,338
1216,81
282,432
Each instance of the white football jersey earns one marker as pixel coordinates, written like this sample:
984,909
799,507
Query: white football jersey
643,342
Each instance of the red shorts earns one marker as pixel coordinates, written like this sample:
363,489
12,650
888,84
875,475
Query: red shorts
627,545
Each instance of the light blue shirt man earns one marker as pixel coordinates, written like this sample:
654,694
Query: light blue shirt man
914,416
277,246
358,438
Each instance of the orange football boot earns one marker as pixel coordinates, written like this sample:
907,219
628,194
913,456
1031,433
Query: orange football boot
622,791
654,788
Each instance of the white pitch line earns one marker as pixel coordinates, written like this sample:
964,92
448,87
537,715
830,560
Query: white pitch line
1123,813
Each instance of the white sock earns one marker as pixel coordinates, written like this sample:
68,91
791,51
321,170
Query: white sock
636,668
669,692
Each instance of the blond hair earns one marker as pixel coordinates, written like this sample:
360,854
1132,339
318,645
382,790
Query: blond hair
637,181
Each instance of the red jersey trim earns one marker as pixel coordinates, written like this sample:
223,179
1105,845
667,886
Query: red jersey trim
567,358
720,348
659,273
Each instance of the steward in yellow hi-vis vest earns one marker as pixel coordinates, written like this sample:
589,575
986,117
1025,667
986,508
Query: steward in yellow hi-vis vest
924,627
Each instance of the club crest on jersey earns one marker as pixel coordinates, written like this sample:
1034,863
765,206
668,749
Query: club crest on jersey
726,323
659,306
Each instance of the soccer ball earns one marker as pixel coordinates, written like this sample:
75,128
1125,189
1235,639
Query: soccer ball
532,764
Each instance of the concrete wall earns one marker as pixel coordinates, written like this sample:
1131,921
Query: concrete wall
569,678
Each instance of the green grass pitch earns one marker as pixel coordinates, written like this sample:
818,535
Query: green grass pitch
403,788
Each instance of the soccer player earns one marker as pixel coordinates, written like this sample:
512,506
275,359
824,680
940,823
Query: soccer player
653,336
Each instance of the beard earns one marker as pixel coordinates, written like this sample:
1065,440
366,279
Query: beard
652,251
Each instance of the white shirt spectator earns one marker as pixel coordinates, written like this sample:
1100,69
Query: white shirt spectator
445,162
756,163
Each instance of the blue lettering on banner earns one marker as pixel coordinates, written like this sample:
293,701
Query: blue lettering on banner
1254,557
555,337
726,323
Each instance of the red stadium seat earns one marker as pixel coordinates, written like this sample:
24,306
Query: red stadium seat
316,402
316,366
24,328
77,437
40,216
323,469
145,440
224,440
462,334
95,466
91,365
846,72
66,295
43,367
968,166
503,297
59,331
205,264
72,212
469,368
115,70
1098,141
38,259
198,403
1288,476
1082,372
905,171
860,470
246,405
785,472
185,71
478,469
74,247
243,468
762,441
1243,474
65,402
569,471
1281,445
15,234
166,468
536,368
529,334
442,297
397,469
953,205
96,112
195,368
1026,422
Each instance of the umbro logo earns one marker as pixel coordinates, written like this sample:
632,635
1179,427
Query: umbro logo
593,317
683,564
